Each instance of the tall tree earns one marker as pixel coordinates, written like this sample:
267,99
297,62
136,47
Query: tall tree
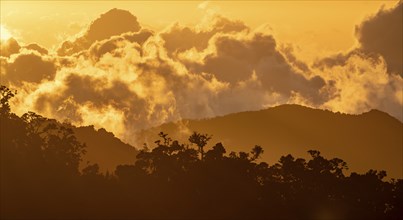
200,140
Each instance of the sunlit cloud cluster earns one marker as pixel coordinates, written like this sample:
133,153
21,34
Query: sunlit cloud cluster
123,77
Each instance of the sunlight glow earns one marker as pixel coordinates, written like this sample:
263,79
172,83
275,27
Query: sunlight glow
4,33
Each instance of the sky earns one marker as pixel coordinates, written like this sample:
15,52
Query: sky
132,65
317,28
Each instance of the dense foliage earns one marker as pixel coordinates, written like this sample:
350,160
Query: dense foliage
40,179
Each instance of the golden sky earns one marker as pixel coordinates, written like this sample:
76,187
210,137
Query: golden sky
317,28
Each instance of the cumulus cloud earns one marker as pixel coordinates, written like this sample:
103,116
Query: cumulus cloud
27,67
178,39
235,59
125,78
363,83
98,49
382,34
24,63
369,76
113,22
378,35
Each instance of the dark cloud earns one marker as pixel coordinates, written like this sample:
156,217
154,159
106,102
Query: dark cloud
138,37
28,67
369,76
37,48
236,54
342,59
28,64
235,60
382,34
98,49
288,52
179,39
112,23
96,90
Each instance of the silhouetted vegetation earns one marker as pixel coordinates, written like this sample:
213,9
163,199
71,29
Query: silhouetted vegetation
41,179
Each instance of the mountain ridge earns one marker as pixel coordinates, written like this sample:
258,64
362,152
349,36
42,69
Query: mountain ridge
103,148
369,140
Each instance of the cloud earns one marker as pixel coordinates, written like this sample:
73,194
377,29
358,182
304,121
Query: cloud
98,49
362,83
178,39
127,78
27,67
9,47
237,58
112,23
382,34
370,75
38,48
25,63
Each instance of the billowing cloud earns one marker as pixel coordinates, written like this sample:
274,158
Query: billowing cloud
235,59
379,35
363,83
27,66
127,78
178,39
98,49
369,76
25,63
382,34
113,22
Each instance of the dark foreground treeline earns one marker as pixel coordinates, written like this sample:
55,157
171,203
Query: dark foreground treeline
40,179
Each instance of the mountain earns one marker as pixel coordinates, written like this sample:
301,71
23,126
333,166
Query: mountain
372,140
104,148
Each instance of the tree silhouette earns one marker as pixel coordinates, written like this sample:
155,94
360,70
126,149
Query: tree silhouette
216,153
200,140
256,152
59,145
5,95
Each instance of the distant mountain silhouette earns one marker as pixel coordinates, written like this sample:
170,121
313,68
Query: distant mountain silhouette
104,148
372,140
